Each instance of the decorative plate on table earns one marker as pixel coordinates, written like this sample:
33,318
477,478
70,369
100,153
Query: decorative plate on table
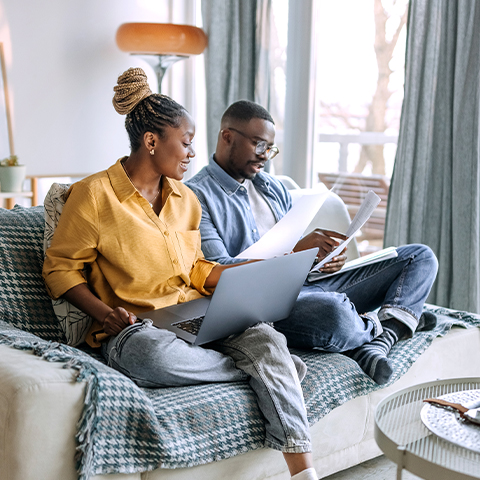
447,423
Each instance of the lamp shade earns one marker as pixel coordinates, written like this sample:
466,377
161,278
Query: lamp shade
161,39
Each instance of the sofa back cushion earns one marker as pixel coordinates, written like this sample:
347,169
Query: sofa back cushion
24,302
74,323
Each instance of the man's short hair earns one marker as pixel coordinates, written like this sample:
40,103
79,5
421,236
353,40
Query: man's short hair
245,110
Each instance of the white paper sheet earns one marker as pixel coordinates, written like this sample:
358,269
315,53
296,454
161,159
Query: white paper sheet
285,234
369,204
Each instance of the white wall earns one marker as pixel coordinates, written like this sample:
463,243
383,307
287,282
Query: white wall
62,65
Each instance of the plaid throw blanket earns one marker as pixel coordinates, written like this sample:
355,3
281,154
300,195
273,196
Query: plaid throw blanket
188,426
125,429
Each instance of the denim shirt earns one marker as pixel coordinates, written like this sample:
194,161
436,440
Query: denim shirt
227,226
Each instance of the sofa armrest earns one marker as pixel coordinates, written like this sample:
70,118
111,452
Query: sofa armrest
40,404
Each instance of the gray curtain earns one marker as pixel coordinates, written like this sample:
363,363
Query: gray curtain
435,195
263,67
230,58
263,76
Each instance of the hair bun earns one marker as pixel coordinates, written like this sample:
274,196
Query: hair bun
132,87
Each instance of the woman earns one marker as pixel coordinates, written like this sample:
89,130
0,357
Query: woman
135,229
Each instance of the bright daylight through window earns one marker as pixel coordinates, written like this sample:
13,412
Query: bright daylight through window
360,57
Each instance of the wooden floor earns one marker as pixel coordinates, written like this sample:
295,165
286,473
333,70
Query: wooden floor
379,468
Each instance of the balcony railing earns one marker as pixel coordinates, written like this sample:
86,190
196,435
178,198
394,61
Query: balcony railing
352,187
362,138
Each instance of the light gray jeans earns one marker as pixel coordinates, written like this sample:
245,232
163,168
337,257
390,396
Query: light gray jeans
157,358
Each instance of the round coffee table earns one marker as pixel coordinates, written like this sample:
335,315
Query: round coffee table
404,439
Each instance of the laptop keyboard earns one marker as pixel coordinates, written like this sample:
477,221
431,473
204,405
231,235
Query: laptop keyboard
191,325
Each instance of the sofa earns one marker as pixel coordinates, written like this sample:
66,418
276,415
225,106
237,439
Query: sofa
65,415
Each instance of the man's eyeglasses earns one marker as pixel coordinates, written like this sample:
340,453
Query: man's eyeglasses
261,146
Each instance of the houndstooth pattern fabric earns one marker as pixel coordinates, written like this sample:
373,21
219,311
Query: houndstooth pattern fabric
338,379
74,323
133,429
24,302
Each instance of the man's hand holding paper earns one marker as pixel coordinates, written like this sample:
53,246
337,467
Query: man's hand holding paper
335,264
368,206
326,242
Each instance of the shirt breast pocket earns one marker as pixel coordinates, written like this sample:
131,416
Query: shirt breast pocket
187,247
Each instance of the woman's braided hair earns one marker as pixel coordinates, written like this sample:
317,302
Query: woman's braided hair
145,111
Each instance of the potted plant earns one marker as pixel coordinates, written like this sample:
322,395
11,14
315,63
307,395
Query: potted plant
12,175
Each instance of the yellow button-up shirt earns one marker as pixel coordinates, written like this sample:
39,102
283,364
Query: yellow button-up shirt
134,258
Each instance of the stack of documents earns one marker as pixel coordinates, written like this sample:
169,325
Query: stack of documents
282,238
375,257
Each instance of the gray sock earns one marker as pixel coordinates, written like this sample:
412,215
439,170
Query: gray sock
372,356
428,321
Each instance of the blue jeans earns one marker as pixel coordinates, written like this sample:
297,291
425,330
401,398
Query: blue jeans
326,314
155,358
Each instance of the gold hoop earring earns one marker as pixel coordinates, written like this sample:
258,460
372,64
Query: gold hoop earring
152,152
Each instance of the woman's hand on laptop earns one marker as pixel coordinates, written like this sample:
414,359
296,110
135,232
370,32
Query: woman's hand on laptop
117,320
113,320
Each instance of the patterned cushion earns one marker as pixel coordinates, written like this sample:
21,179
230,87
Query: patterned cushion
75,324
24,302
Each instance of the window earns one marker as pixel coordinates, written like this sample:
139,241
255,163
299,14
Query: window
356,73
359,94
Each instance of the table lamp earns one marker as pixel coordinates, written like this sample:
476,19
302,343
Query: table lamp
161,44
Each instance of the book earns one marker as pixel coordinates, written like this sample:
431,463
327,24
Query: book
379,256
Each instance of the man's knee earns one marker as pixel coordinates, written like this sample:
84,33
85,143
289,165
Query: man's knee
417,250
333,306
319,320
420,253
430,257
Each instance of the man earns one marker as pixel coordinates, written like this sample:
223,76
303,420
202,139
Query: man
240,203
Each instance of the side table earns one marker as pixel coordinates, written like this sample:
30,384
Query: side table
404,439
10,197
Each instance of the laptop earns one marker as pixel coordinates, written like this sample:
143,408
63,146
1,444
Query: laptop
245,295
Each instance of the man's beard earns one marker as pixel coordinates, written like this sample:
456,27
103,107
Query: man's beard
241,172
